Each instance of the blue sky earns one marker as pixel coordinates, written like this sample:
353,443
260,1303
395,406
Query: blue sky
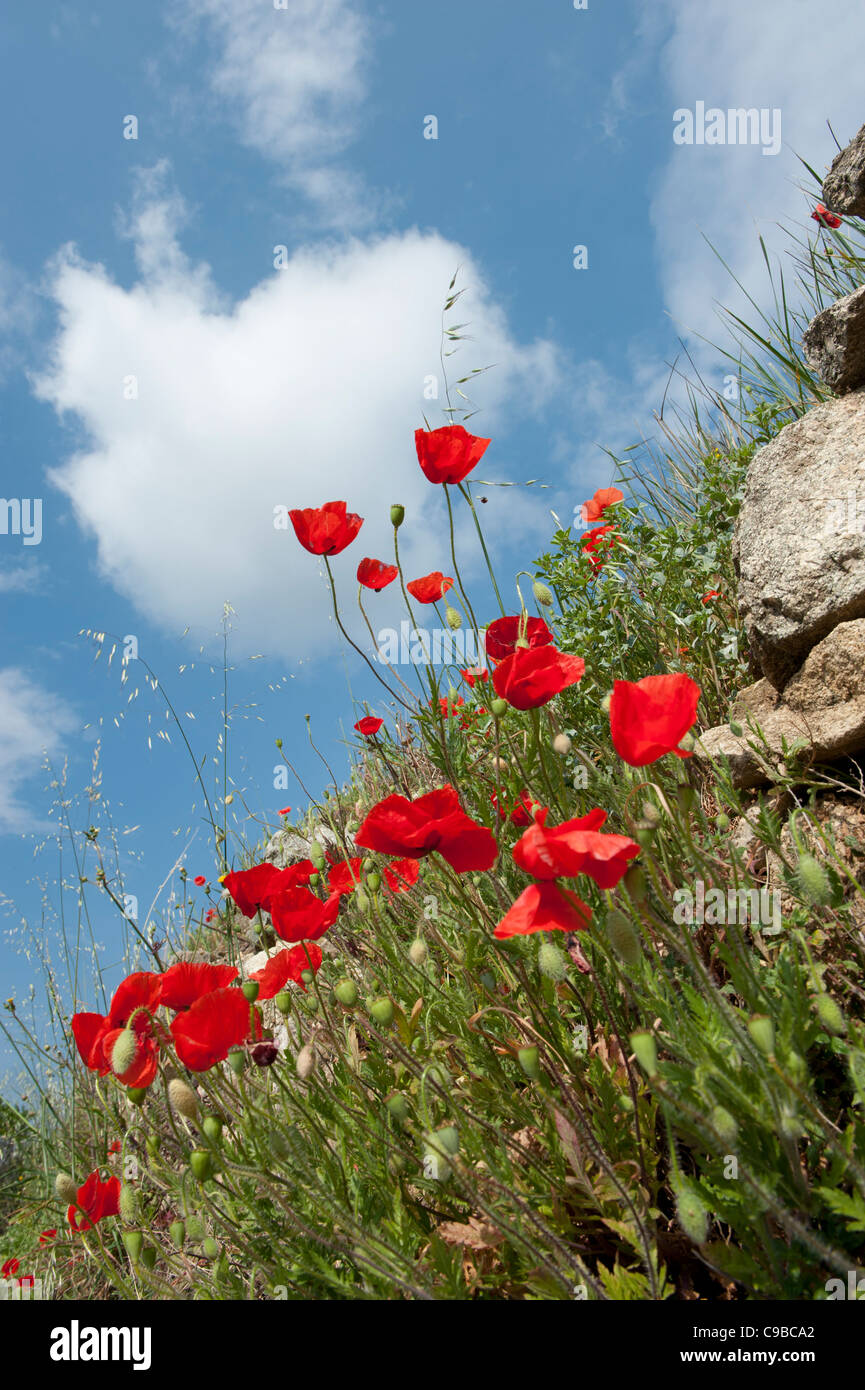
153,259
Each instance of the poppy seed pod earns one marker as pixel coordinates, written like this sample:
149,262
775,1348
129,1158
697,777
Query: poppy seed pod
813,881
123,1052
136,1094
417,952
346,993
543,595
237,1060
283,1002
499,707
373,881
397,515
316,854
250,990
212,1126
182,1098
382,1011
552,962
561,745
66,1189
361,900
201,1164
305,1061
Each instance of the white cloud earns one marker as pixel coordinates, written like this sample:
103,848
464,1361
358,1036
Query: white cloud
782,54
294,80
308,389
33,722
18,579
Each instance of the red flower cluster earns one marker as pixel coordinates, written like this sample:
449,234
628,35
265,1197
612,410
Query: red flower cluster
434,822
449,454
650,717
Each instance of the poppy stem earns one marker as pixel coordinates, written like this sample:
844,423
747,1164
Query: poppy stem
381,680
468,496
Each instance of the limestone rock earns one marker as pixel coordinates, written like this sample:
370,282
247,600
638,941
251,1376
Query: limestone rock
834,342
287,847
799,543
821,710
844,185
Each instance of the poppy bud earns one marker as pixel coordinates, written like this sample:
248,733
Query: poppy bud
499,707
124,1051
397,516
651,813
830,1015
448,1139
315,879
797,1067
606,702
278,742
210,1248
66,1189
635,883
623,937
201,1164
212,1126
529,1059
237,1060
382,1011
762,1030
250,990
136,1094
645,1051
264,1054
724,1125
644,838
561,745
182,1098
552,962
127,1204
316,854
452,618
283,1002
346,992
195,1229
373,882
398,1108
722,823
542,594
133,1240
362,900
396,1165
417,952
305,1062
813,882
692,1214
736,728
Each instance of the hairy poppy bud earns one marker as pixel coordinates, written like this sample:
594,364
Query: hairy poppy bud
543,595
264,1054
651,813
66,1189
398,1108
305,1062
211,1125
645,1050
314,879
561,745
361,899
623,937
177,1232
446,1138
210,1248
529,1059
182,1098
813,882
346,992
417,952
736,728
283,1002
722,822
237,1060
127,1204
692,1214
373,881
124,1051
635,883
316,854
830,1015
452,618
552,962
644,838
397,515
195,1228
797,1067
762,1030
724,1125
499,707
133,1240
382,1011
201,1164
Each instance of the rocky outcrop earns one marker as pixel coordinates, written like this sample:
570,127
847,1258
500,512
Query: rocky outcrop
844,185
799,544
834,343
287,847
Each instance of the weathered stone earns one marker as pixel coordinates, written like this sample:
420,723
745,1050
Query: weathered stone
834,342
844,185
821,712
287,847
799,543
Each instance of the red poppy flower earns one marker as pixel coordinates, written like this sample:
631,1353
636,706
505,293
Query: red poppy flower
115,1147
500,638
11,1267
369,725
249,887
521,812
325,530
401,875
210,914
544,907
597,543
530,677
430,588
187,981
575,847
449,454
650,717
205,1033
298,915
375,574
472,676
97,1199
344,877
46,1237
287,965
435,821
283,810
143,1067
597,505
95,1034
825,217
199,880
713,593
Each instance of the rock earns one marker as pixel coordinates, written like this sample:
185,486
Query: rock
844,185
799,542
287,847
834,342
821,710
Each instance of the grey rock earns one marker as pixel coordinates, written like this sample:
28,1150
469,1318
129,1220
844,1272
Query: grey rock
834,342
287,847
799,542
844,185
